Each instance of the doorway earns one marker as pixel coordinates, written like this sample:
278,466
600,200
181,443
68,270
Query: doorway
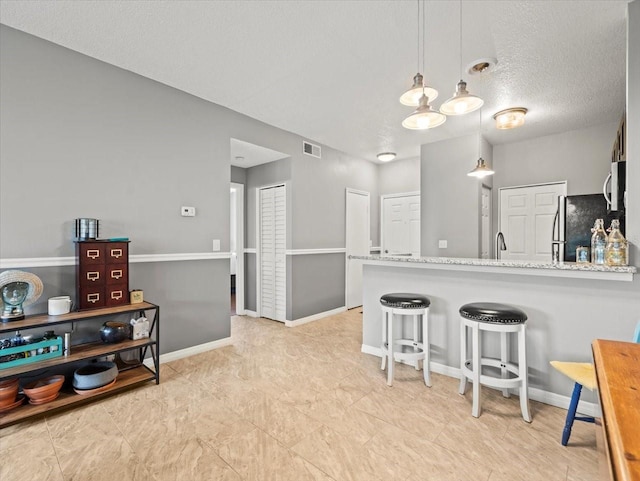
236,246
526,216
358,226
400,221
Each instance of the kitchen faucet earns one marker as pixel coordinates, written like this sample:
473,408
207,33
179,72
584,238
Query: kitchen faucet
500,244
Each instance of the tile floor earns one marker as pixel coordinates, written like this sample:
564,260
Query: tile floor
296,404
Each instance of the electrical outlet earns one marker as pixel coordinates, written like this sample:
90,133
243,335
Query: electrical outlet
188,211
442,244
216,245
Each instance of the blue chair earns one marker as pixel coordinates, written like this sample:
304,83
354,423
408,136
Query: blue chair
582,374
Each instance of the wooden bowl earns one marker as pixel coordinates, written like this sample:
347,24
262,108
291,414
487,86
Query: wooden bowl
43,388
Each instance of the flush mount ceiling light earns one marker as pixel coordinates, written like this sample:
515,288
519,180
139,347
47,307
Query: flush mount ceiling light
411,98
481,169
424,117
462,101
510,118
386,156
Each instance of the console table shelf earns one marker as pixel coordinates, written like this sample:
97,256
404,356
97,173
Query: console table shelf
129,376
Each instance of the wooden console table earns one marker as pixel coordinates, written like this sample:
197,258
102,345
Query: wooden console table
618,372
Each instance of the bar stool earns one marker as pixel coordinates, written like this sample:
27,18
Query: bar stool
504,319
401,305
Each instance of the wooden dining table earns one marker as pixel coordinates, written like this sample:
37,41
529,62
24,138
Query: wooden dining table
617,366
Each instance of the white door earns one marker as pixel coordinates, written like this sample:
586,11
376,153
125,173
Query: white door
357,243
526,220
485,248
272,236
401,225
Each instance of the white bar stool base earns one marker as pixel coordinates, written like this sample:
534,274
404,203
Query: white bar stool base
421,353
471,369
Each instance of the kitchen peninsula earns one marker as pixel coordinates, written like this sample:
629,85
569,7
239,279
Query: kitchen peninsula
568,305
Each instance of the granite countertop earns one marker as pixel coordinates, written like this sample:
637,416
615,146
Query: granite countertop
461,261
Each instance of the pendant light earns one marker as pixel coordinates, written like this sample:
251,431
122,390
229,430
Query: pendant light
424,117
462,101
481,170
411,98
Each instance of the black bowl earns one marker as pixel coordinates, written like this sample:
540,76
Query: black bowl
112,332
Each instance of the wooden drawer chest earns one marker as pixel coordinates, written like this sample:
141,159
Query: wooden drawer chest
102,273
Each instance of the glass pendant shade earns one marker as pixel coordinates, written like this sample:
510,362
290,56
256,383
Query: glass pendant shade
411,98
424,117
510,118
481,170
462,101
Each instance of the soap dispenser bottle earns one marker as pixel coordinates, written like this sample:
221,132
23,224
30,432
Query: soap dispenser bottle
598,243
617,250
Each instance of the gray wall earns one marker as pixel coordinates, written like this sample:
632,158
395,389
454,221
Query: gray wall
81,138
319,198
317,286
399,176
581,157
238,175
633,132
450,200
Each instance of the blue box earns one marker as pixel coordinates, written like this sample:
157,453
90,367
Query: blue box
37,351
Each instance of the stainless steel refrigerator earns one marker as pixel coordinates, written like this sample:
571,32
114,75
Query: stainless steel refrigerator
574,219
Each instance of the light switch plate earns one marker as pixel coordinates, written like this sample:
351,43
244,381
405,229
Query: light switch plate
216,245
442,244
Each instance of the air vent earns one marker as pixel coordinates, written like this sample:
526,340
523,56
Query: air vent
311,149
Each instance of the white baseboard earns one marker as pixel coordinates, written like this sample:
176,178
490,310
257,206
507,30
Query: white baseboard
190,351
314,317
540,395
249,313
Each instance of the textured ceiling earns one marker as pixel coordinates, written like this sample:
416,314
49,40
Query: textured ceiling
332,71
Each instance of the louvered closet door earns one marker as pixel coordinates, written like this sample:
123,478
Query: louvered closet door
272,253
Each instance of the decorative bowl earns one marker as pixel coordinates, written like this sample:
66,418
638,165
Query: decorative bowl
44,400
8,392
112,332
8,383
95,375
44,388
13,404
